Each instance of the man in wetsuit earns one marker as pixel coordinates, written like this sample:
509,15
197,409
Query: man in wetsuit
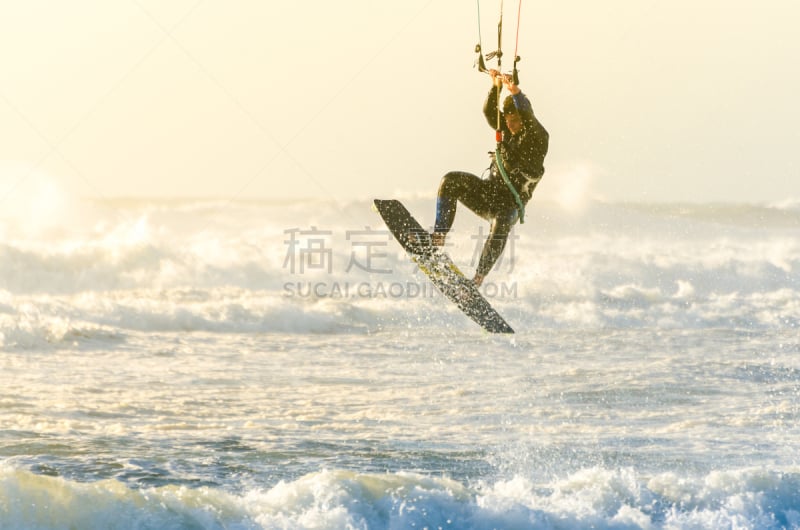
522,150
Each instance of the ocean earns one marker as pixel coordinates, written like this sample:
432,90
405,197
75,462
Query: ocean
215,364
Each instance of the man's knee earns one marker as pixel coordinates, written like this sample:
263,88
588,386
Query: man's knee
451,184
503,223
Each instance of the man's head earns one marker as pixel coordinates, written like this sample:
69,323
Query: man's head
511,115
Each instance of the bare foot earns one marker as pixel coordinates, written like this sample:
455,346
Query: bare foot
477,280
437,239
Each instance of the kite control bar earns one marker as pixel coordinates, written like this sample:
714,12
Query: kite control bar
481,63
498,54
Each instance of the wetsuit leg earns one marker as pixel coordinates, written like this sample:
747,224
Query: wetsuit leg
498,235
469,189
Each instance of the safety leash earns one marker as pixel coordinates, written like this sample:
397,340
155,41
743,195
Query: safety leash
520,205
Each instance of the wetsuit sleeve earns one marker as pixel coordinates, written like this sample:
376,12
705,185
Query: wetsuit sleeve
490,108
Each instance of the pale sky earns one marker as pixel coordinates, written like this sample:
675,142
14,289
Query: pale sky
681,100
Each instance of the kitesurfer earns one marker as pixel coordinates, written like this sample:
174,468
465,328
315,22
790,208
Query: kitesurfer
500,200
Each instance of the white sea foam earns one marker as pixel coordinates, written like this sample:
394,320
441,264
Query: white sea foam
590,498
244,267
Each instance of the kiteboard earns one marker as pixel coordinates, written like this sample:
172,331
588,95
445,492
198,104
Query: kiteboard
438,267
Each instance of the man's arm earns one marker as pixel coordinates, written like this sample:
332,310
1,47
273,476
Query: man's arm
490,108
492,99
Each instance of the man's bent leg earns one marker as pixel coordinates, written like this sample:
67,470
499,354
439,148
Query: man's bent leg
496,242
457,186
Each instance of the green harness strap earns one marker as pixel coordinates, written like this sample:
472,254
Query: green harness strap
511,188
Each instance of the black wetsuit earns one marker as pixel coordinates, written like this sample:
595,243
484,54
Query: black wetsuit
523,159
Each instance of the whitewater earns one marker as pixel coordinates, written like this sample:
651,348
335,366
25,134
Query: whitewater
223,364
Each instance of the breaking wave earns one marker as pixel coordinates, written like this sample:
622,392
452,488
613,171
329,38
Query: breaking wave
215,266
590,498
